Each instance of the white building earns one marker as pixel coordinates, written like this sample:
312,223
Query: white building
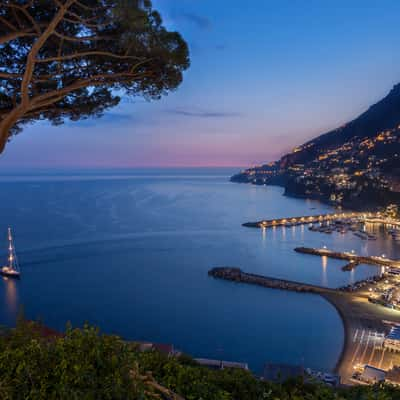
373,375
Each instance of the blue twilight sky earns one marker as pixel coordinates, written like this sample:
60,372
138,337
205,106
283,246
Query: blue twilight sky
266,75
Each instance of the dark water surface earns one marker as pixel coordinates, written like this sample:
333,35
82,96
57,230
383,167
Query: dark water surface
129,251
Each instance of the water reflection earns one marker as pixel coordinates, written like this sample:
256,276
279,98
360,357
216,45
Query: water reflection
264,237
364,248
302,232
324,273
352,276
11,296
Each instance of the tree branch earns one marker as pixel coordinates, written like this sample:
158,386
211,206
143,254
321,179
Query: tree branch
10,76
31,59
96,80
27,16
85,54
15,35
9,120
87,8
83,38
8,24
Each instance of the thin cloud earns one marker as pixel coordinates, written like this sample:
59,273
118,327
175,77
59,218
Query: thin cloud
107,118
199,21
203,114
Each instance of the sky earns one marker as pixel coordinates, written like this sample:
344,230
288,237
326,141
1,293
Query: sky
265,76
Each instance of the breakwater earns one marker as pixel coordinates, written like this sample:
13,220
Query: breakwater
307,219
350,256
237,275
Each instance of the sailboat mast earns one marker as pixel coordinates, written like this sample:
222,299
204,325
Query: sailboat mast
11,252
11,270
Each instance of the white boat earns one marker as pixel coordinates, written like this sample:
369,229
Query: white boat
12,269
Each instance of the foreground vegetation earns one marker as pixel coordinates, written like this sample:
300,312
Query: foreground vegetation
85,364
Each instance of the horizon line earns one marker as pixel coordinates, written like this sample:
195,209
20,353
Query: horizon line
75,167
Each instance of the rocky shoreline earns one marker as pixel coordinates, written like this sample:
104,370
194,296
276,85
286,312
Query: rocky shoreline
359,203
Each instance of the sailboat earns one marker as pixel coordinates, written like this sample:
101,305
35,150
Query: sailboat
12,269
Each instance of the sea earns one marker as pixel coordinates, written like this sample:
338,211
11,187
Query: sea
129,251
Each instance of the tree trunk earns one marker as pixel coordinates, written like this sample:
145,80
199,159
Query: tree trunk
6,125
2,142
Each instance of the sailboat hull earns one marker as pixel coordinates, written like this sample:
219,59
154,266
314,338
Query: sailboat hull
9,273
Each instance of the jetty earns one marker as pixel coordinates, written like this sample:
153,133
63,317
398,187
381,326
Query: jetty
353,258
311,219
237,275
361,319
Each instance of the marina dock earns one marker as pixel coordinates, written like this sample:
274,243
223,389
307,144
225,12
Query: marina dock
380,261
311,219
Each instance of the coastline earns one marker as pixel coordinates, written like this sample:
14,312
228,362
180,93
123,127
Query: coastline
358,315
354,206
347,330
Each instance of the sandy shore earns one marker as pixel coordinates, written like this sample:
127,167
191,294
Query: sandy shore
361,320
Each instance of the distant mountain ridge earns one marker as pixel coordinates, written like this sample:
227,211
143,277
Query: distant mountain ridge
379,117
356,164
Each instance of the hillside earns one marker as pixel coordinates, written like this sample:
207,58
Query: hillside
84,364
356,162
382,116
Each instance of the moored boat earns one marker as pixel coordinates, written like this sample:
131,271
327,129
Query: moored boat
12,269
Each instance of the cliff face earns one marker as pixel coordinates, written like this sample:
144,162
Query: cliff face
341,166
381,116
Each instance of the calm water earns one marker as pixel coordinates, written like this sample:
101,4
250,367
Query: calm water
130,251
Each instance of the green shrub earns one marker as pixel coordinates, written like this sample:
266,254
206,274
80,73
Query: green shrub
85,364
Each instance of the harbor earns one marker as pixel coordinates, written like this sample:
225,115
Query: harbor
369,308
365,323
